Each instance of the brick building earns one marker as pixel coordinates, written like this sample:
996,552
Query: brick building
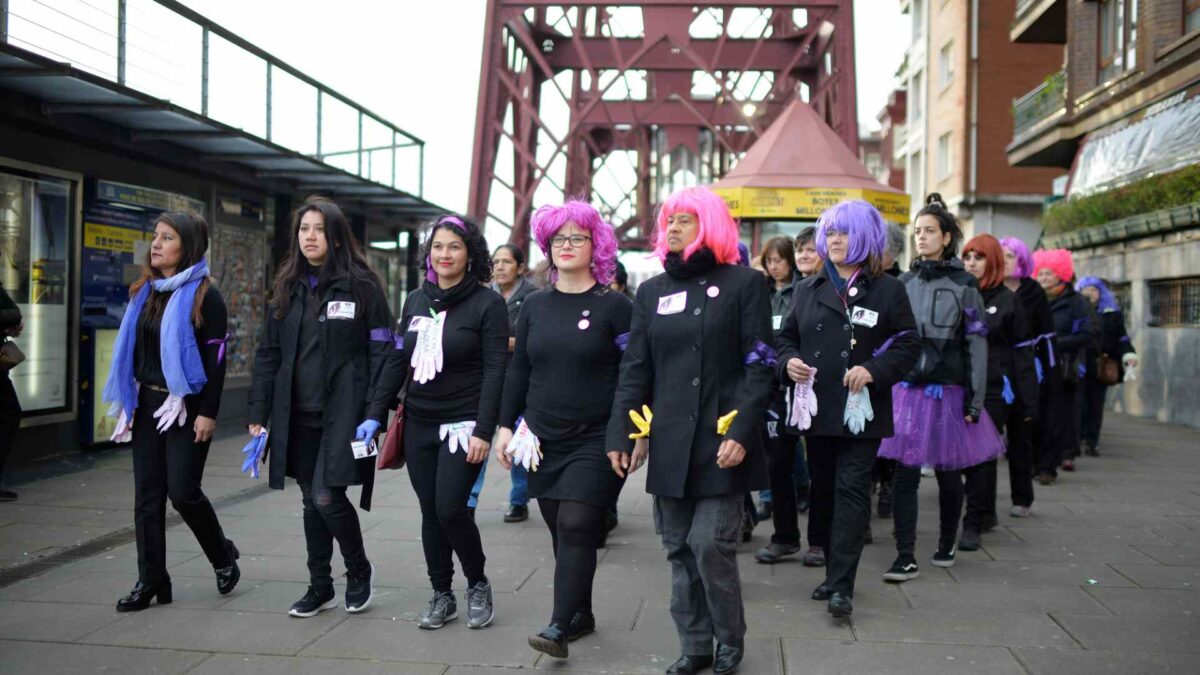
892,138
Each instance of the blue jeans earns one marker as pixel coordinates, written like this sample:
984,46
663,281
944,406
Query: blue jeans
518,496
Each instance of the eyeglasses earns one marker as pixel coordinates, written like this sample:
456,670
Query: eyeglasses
577,240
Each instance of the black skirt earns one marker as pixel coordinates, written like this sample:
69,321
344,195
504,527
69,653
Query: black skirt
577,469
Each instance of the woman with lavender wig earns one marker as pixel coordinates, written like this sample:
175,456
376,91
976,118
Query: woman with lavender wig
1115,344
558,394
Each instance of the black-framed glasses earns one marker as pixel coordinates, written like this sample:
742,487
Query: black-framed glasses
577,240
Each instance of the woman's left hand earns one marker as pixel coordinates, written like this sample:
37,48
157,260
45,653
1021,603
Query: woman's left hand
478,450
856,378
204,427
730,454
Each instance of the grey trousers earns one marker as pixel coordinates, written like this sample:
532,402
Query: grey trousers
701,537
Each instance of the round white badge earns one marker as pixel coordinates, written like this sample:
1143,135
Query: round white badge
991,310
853,292
584,323
713,291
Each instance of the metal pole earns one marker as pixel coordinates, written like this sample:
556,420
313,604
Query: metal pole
268,100
393,183
360,147
121,37
319,125
421,171
204,72
4,21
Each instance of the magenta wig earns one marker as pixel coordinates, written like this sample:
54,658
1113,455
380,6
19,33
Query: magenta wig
549,219
718,231
1024,266
861,222
1057,260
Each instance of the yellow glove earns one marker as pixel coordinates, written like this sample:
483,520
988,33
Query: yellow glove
724,421
642,422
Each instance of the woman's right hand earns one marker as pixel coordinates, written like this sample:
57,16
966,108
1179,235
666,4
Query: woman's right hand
254,429
798,370
503,438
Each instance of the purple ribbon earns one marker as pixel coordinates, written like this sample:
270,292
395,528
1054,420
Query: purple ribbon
761,352
398,340
221,351
888,343
974,325
1077,325
380,335
622,341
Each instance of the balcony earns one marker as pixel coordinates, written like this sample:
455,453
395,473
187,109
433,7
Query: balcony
1039,133
1040,21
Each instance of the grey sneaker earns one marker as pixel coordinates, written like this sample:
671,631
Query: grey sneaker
773,553
1019,512
442,608
480,611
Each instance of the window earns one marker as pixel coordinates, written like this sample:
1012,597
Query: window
945,156
1175,302
916,179
1117,40
1123,292
917,100
918,14
1191,15
946,64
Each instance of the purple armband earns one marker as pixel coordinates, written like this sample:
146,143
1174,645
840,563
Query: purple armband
975,326
221,351
622,341
761,353
380,335
888,343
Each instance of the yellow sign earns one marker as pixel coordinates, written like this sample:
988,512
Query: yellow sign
102,424
807,203
110,238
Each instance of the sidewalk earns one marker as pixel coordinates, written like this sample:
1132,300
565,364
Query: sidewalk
1105,578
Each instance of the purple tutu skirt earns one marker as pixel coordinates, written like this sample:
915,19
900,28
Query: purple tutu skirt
932,432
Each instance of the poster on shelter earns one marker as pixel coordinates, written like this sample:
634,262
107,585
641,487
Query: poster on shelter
238,260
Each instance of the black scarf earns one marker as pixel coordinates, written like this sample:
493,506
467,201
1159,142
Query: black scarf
700,262
442,299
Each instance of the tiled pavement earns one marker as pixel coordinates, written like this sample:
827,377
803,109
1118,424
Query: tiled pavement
1105,578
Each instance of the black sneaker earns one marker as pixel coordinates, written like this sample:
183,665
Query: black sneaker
969,541
943,557
904,569
582,624
516,513
360,590
313,602
552,641
774,552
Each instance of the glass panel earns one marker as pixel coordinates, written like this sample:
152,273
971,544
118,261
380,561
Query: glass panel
163,53
83,34
293,113
237,87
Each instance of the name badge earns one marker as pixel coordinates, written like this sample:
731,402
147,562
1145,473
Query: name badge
417,323
340,310
364,449
861,316
672,304
777,322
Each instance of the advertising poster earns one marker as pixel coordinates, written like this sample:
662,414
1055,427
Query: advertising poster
115,241
238,261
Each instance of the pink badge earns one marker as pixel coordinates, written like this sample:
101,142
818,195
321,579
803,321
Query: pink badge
584,323
713,291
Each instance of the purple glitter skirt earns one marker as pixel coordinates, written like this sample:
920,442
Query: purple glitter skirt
932,432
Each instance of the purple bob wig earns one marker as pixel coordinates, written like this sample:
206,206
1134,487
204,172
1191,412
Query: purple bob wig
549,219
862,222
1024,266
1108,302
718,231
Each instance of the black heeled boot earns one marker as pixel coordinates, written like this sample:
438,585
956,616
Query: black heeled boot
141,596
227,577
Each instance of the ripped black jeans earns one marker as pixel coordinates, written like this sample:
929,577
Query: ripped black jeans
328,515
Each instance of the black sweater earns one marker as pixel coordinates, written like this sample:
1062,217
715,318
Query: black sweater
147,363
563,373
1007,328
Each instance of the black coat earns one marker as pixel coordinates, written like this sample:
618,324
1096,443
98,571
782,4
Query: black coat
690,367
352,355
817,332
1077,331
1113,341
10,316
1007,328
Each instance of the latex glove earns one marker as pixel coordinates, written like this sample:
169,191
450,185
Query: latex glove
172,411
1037,365
366,430
124,431
724,421
459,434
254,452
427,356
1081,369
525,448
1130,373
934,391
1130,361
642,422
803,403
858,411
1008,394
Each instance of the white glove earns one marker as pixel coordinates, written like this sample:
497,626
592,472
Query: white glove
427,356
858,411
525,448
124,431
1130,361
170,412
803,404
459,434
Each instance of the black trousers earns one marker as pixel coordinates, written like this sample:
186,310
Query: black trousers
10,419
904,507
1091,411
781,457
1059,428
575,531
822,468
980,489
849,481
328,515
170,464
1020,459
443,483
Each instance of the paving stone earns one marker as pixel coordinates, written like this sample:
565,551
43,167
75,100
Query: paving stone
50,621
827,657
1172,555
106,589
1134,633
226,664
1161,576
498,645
214,631
961,627
1080,662
1148,602
1025,552
37,657
1001,598
1037,573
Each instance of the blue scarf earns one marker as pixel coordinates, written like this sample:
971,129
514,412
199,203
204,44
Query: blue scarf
181,364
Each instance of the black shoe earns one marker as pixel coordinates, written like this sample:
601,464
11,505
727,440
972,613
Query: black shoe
803,501
141,595
969,541
727,659
773,552
944,557
689,665
839,605
552,641
903,569
821,593
582,624
227,577
516,513
360,590
314,601
765,509
885,501
8,496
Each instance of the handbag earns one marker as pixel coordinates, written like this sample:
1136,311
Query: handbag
1108,371
391,455
10,355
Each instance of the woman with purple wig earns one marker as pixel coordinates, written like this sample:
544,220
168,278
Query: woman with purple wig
1114,345
848,337
455,340
558,394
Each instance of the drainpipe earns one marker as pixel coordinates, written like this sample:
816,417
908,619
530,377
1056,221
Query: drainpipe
973,150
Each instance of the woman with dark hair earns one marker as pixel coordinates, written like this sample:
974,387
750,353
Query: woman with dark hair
558,394
620,282
939,414
699,363
323,346
1114,345
456,342
168,367
1011,378
808,261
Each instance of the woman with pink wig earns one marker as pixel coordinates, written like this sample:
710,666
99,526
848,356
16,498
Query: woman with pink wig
557,396
699,365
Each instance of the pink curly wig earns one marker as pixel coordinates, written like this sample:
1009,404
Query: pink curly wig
549,219
1057,260
718,230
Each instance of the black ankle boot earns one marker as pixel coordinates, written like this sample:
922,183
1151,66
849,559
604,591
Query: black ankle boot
141,596
227,577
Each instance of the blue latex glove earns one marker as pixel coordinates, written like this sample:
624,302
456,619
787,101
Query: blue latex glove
254,452
366,430
906,385
934,391
1081,369
858,411
1008,394
1037,365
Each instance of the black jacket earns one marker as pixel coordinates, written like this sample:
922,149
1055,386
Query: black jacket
1041,327
1113,341
817,332
1077,329
1009,352
514,302
10,315
353,351
693,360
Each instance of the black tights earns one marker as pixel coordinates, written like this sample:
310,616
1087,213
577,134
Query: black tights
575,530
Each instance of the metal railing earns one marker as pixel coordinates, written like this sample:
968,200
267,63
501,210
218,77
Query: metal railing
1043,101
167,50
